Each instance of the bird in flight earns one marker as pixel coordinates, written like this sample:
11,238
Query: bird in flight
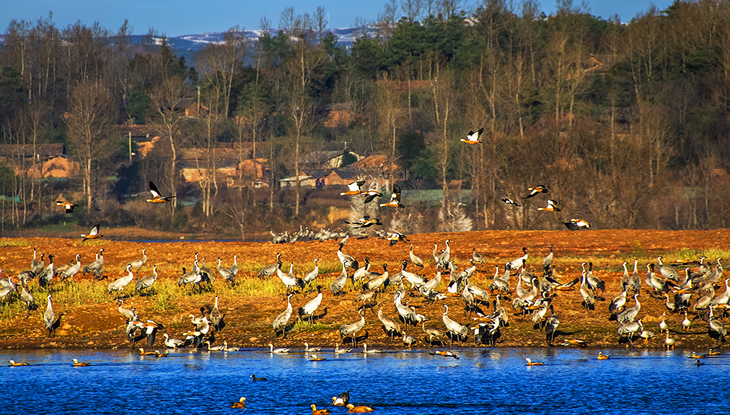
577,224
535,190
510,201
394,237
365,222
394,198
372,192
552,206
93,234
353,188
66,205
473,137
156,196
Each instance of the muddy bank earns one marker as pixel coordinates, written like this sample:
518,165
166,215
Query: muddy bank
251,306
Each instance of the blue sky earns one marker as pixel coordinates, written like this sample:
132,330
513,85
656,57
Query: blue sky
181,17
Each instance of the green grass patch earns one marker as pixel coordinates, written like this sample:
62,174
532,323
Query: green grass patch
14,242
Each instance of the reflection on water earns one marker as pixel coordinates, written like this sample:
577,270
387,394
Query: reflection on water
409,382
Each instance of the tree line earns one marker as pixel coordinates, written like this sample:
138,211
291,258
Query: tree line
626,123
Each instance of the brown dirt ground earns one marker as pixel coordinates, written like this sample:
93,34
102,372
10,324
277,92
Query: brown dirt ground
248,319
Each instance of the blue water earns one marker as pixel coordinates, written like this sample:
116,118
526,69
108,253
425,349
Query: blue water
413,382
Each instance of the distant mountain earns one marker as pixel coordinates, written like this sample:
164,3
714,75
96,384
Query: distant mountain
345,36
186,45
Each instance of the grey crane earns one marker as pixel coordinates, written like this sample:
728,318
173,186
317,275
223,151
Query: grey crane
723,298
406,314
430,285
49,317
378,281
635,280
291,281
146,283
129,315
716,326
139,262
6,288
414,279
518,262
46,276
36,266
624,283
630,328
190,277
630,313
362,272
551,326
312,305
28,299
72,270
589,300
704,302
547,262
618,303
216,317
654,281
390,326
352,329
453,327
501,283
313,274
270,269
667,272
96,267
594,282
445,256
226,273
234,268
282,319
347,260
338,285
415,259
431,333
121,283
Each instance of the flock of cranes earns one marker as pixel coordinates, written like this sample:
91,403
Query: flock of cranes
517,292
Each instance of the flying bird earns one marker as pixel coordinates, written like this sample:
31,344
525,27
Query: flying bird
394,237
66,205
394,198
577,224
510,201
535,190
156,196
365,222
354,188
372,192
93,234
552,206
473,137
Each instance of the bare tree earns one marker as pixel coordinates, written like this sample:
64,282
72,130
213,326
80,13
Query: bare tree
166,100
219,62
89,116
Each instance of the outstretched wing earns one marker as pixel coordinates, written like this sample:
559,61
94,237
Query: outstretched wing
154,191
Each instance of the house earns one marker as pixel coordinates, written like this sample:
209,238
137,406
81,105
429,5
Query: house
378,163
304,181
49,158
229,168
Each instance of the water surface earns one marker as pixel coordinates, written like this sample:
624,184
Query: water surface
409,382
